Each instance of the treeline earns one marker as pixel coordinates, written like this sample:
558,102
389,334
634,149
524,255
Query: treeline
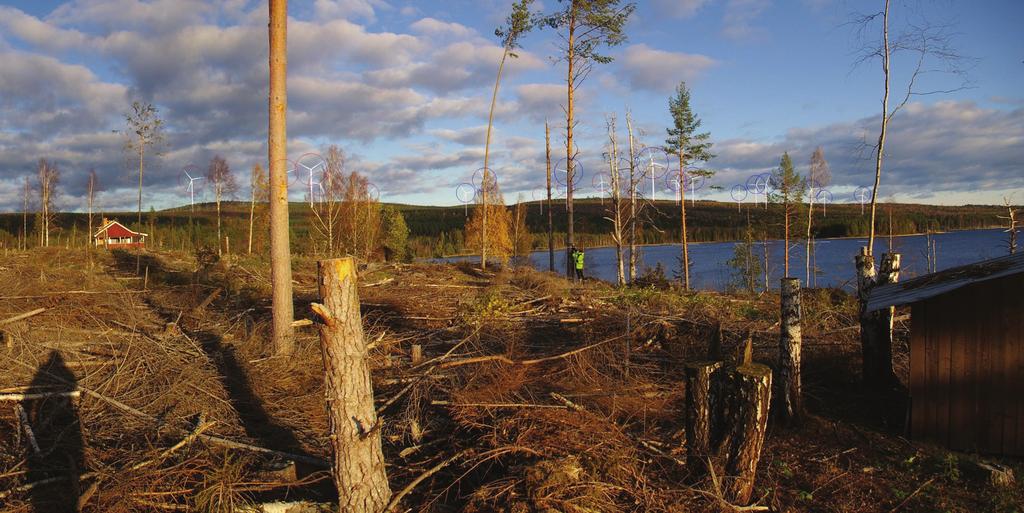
440,231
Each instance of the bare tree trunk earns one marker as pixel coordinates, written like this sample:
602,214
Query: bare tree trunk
220,240
358,467
807,240
785,247
789,350
551,225
764,247
866,279
616,185
280,253
682,217
885,123
487,154
24,217
632,200
889,272
252,214
569,156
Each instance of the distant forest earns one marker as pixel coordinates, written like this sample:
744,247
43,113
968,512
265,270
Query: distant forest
439,231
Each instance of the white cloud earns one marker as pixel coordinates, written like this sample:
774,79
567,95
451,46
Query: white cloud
659,70
740,15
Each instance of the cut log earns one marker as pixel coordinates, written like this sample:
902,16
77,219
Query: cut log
19,317
417,354
209,299
748,418
700,414
790,340
358,466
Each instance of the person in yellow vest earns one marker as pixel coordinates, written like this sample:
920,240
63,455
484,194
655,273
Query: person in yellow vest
577,259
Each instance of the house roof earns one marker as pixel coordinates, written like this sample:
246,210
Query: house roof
931,285
115,229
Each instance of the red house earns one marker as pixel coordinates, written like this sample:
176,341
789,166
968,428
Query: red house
113,234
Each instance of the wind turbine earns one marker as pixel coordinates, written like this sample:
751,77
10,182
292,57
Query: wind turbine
191,187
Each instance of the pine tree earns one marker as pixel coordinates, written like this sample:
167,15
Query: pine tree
789,191
394,234
690,146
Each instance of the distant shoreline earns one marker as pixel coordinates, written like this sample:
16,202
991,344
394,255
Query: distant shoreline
626,247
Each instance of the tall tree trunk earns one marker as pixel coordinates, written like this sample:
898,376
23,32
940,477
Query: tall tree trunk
785,247
616,185
807,240
632,200
280,253
487,155
885,123
220,238
252,215
790,340
682,217
358,466
142,154
551,224
866,279
569,157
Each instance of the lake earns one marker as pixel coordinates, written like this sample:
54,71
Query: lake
833,258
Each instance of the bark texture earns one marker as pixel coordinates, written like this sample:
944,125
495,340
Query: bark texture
789,351
358,466
280,252
866,277
888,273
700,414
748,418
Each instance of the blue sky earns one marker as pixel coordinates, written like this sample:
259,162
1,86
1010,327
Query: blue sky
403,88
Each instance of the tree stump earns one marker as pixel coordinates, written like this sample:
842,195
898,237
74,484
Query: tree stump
700,414
358,466
748,418
790,339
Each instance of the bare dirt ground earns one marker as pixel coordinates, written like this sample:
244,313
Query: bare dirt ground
162,394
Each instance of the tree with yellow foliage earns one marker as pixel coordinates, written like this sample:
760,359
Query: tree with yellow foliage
499,222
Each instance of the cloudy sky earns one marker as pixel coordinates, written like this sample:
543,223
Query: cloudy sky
404,87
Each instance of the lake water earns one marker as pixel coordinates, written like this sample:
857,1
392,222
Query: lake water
833,258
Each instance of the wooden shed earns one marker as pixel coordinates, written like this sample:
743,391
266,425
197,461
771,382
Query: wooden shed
966,354
115,235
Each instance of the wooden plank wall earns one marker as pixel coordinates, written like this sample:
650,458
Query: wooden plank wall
967,368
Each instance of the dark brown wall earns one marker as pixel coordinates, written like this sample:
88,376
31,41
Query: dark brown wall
967,368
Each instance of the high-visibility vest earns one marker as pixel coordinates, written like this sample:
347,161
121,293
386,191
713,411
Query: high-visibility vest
579,260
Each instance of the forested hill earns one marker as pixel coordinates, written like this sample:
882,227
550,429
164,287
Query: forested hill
436,231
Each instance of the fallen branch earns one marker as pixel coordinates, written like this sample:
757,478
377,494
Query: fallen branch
500,405
216,440
507,360
40,395
23,419
25,315
397,498
911,496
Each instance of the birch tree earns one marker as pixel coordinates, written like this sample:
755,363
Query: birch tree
24,214
1011,224
91,184
48,175
551,225
585,28
818,177
222,182
144,130
690,146
517,24
326,210
614,213
259,186
929,50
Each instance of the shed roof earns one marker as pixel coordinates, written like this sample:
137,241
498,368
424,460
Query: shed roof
930,285
116,229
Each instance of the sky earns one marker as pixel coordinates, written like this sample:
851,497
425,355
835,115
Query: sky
403,88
